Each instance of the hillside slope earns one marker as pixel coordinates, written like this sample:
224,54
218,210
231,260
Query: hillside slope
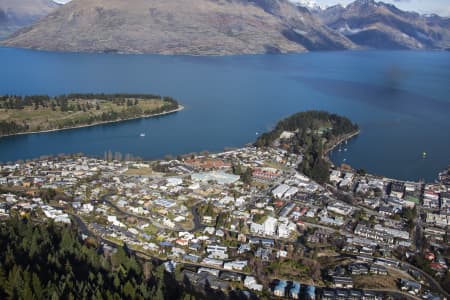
193,27
15,14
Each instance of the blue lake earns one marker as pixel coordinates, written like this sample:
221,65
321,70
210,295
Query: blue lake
400,99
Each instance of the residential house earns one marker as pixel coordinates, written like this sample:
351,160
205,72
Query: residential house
251,283
294,291
358,269
280,289
342,282
310,292
397,190
217,251
378,270
410,286
235,265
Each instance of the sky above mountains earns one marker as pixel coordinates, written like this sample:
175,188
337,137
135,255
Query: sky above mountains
440,7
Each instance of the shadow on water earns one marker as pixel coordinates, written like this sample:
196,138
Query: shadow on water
386,96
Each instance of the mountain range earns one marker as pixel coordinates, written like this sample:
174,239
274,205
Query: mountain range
194,27
15,14
223,27
378,25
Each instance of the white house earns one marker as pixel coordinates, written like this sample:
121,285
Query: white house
87,208
174,181
251,283
235,265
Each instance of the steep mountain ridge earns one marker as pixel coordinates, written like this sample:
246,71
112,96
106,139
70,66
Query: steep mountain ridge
15,14
383,26
193,27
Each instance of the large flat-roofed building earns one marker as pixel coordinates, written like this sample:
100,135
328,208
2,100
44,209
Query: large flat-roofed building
218,176
279,191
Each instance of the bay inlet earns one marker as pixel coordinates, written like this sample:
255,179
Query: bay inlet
228,99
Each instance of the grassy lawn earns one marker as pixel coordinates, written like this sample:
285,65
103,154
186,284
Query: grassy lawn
140,172
151,229
275,165
259,184
81,112
113,239
327,253
260,218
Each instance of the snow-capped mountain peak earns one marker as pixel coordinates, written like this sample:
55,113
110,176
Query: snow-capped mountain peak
310,4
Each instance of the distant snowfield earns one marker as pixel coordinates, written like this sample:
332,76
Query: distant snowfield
61,1
307,3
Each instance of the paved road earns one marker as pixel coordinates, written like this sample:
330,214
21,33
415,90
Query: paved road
433,283
82,226
419,238
395,294
320,226
197,224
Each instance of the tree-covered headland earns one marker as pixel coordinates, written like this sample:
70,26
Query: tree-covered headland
310,133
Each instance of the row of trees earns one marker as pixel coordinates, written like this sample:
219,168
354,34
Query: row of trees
308,141
11,127
20,102
118,156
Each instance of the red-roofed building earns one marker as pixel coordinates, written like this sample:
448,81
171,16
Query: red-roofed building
182,242
266,173
430,256
279,203
208,164
438,267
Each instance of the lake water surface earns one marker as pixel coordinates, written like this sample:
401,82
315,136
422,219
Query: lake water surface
400,99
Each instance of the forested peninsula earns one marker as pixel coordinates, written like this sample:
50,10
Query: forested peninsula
312,134
27,114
